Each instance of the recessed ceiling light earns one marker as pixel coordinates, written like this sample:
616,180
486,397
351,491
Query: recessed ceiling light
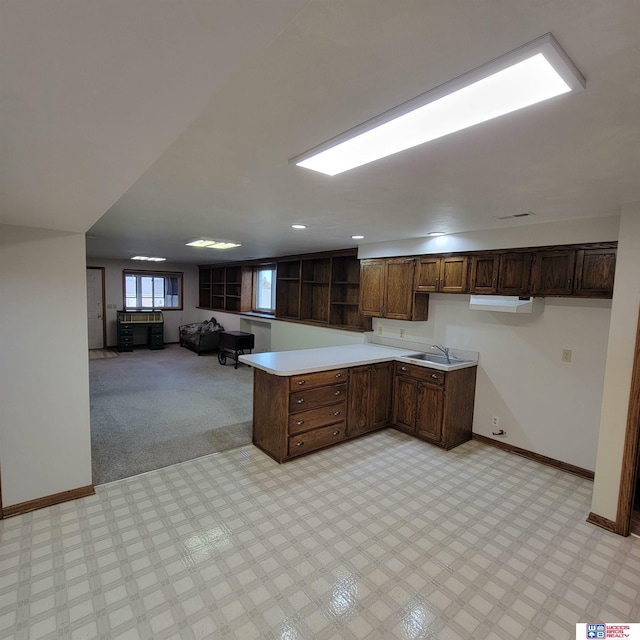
435,234
357,237
213,244
147,259
536,71
298,226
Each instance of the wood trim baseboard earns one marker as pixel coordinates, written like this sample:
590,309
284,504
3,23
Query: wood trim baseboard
551,462
47,501
603,523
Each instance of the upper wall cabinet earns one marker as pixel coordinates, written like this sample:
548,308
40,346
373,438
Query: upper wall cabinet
484,274
386,290
442,274
595,269
514,274
225,288
552,273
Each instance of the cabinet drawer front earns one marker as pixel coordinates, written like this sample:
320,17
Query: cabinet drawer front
317,397
315,418
434,376
316,439
320,379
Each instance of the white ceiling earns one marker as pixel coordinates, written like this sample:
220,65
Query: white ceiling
177,119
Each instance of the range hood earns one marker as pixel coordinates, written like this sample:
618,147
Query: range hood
505,304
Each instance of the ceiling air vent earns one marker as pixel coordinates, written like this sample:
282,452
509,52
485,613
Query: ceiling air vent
526,214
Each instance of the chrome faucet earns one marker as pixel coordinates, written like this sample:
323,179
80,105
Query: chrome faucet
444,350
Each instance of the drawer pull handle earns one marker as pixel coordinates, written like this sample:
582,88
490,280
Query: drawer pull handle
338,375
301,381
336,432
434,375
337,393
300,444
336,413
299,421
403,368
301,401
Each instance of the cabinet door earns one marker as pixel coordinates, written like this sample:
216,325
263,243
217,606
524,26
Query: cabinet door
595,269
399,288
380,395
453,274
427,274
372,286
515,271
484,274
430,402
404,403
358,405
552,273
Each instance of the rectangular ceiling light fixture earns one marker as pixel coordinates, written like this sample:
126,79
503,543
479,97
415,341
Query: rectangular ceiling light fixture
213,244
534,72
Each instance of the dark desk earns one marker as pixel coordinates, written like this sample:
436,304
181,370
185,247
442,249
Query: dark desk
233,344
152,321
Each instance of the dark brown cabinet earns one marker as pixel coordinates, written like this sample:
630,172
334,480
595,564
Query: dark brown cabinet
225,288
344,294
442,274
514,274
386,290
595,270
484,274
434,405
369,405
552,273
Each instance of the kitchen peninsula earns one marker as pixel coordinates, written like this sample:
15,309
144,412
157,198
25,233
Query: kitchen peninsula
309,399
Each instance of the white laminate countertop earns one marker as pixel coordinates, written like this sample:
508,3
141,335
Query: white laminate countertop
302,361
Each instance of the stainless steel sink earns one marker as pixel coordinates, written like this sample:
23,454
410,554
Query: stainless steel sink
436,358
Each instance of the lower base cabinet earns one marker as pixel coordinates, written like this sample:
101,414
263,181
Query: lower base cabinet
436,406
298,414
369,398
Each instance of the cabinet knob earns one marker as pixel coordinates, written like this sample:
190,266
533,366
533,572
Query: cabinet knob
299,421
300,444
337,393
301,382
336,432
338,375
403,368
301,401
569,283
434,375
336,413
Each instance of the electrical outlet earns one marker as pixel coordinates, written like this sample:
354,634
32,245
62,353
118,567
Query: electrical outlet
379,329
566,355
402,333
495,421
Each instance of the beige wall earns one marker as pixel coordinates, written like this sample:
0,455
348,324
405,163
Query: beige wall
44,377
619,366
545,405
172,319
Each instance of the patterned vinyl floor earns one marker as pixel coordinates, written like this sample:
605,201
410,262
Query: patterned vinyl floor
381,538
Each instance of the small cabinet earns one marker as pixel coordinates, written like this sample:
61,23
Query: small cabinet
434,405
484,274
552,273
369,405
595,271
442,274
386,290
514,274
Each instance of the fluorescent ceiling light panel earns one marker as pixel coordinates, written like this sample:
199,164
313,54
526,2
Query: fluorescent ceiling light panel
148,259
535,72
213,244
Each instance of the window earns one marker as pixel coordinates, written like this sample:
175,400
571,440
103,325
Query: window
265,289
152,290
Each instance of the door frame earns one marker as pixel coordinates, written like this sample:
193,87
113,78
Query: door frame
104,306
631,443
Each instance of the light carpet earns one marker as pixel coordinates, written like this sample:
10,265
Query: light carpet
151,409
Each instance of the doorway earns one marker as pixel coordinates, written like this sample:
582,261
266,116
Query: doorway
96,322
